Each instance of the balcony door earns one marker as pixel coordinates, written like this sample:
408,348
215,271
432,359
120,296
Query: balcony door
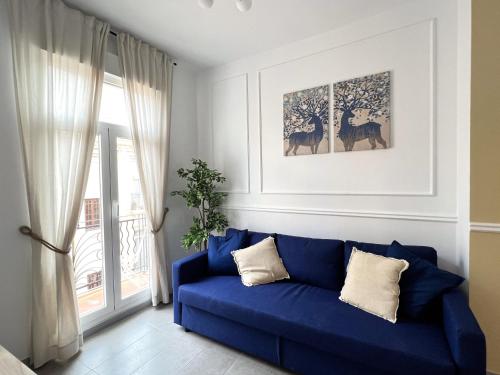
110,251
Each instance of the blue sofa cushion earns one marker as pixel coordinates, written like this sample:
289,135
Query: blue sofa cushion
220,260
252,237
315,317
421,283
425,252
313,261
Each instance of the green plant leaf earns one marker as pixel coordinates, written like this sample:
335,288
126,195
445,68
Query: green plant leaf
200,193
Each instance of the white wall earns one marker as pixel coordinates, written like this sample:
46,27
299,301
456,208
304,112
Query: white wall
407,192
15,249
183,147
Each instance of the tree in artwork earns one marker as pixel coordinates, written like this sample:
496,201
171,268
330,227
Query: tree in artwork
306,121
362,113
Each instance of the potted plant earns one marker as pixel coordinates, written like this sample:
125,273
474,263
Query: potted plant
200,193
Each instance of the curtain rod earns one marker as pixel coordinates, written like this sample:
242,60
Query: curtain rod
115,34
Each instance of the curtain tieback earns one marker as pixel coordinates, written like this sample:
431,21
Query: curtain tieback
28,232
156,230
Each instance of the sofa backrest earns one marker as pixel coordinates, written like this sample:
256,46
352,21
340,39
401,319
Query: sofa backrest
256,237
321,262
252,237
425,252
312,261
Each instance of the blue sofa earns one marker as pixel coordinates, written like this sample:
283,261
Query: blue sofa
301,325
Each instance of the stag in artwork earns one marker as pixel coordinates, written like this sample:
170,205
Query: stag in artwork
367,98
305,115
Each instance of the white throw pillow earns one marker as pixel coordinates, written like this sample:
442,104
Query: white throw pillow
372,283
260,263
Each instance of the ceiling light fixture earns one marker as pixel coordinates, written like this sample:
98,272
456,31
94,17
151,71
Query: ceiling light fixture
206,3
242,5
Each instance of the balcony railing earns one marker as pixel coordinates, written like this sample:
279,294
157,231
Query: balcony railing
87,251
134,242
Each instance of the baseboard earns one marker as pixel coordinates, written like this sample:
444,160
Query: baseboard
120,316
27,362
492,373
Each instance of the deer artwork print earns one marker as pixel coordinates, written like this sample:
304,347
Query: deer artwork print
305,121
362,113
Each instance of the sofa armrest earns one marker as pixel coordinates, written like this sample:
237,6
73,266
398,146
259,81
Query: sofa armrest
465,338
187,270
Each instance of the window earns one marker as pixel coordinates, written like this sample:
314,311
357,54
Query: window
113,106
111,247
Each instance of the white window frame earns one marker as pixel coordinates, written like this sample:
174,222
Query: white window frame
115,306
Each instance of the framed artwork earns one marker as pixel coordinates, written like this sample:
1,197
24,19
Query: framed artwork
361,114
306,121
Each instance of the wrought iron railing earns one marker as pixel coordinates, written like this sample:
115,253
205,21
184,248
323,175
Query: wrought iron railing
134,254
87,252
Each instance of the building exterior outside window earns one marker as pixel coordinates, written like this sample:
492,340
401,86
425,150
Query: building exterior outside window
92,212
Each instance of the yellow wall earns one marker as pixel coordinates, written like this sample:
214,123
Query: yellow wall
485,112
484,262
484,290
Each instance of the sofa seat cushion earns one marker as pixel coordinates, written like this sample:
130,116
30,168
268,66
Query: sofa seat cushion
315,316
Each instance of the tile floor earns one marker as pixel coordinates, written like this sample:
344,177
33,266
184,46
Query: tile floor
148,343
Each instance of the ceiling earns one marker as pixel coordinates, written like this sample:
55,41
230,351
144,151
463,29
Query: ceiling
208,37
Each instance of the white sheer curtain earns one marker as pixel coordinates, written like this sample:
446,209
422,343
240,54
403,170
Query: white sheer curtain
147,75
58,60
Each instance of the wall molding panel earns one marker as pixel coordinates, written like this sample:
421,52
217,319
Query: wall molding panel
223,135
333,159
412,216
485,227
